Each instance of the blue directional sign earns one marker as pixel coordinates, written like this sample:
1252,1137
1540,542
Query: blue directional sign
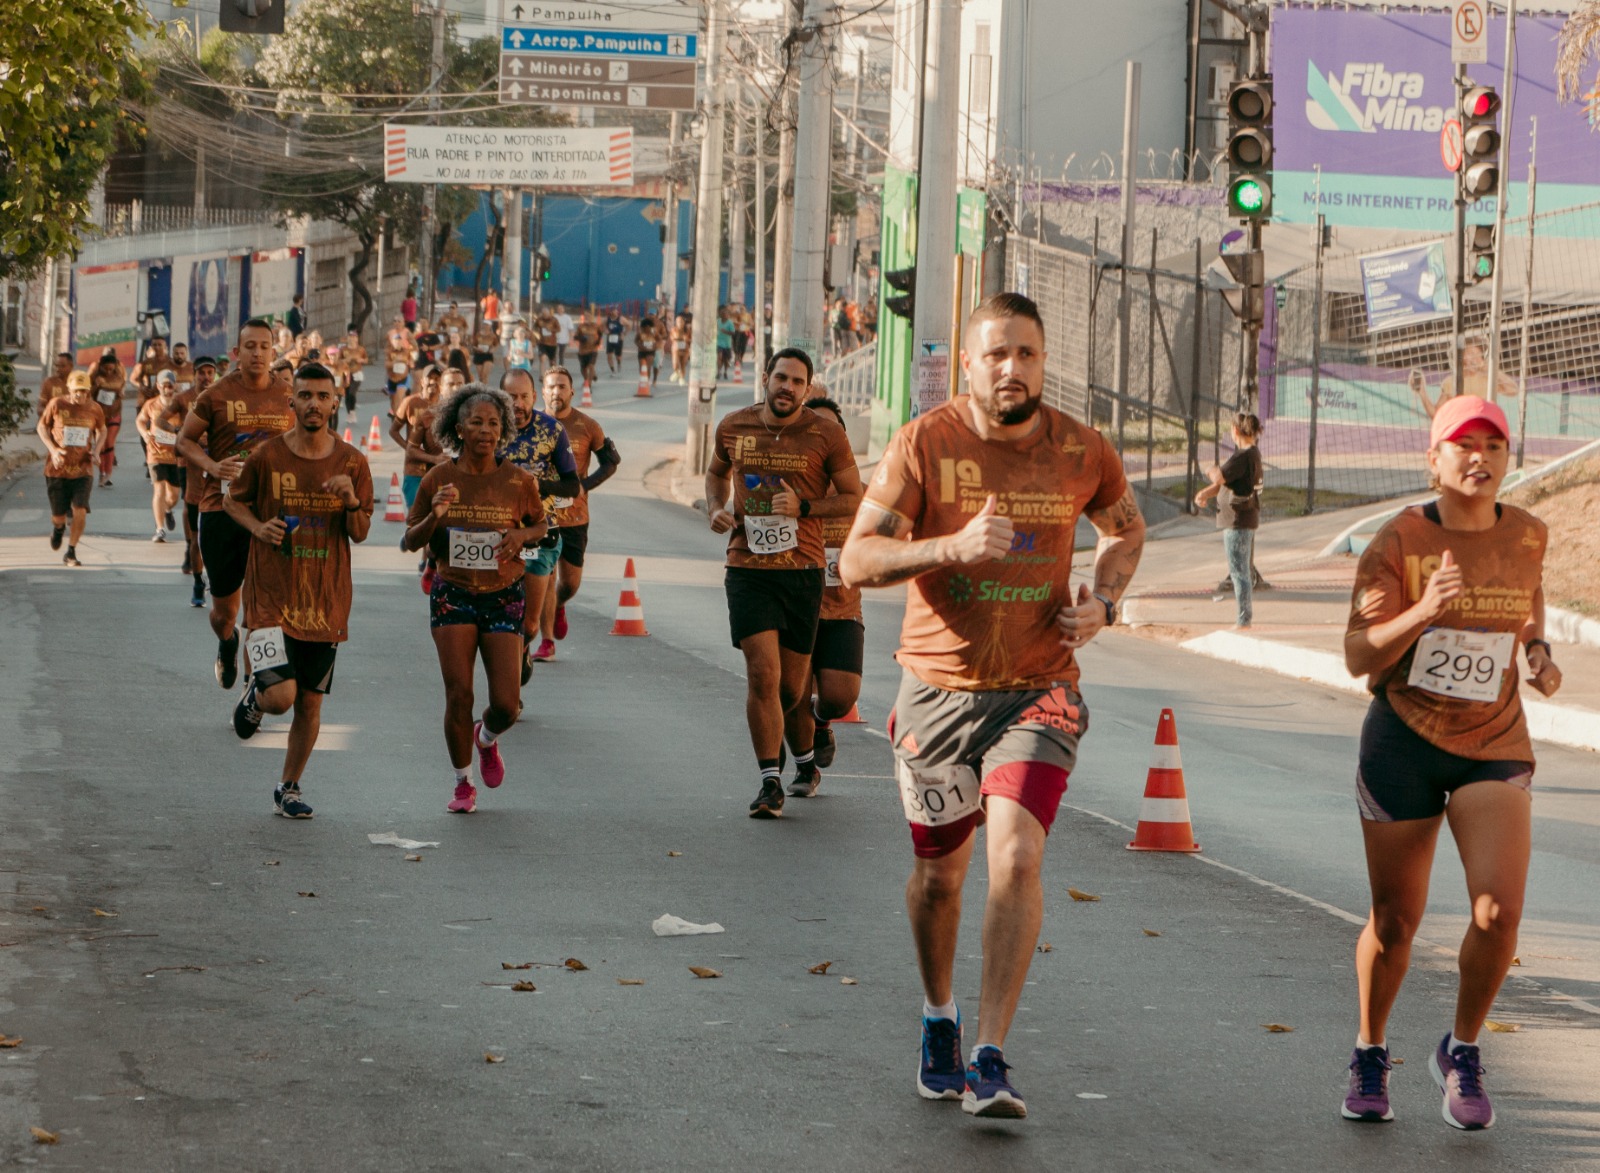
593,42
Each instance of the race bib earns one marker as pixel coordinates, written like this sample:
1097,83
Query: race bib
830,573
264,649
163,437
184,386
937,796
1465,665
74,437
105,397
562,502
473,549
768,533
399,370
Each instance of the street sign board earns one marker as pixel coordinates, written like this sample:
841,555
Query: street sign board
539,92
1469,33
537,157
659,16
597,42
526,67
1450,146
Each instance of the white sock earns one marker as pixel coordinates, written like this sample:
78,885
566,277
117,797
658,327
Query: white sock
462,776
1458,1042
486,737
980,1046
948,1011
1363,1045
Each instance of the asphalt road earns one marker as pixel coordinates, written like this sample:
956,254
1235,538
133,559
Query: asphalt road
224,1017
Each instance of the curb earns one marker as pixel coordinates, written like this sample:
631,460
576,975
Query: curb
1548,722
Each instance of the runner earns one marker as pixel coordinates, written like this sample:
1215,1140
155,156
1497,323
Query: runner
1443,596
399,346
241,410
563,334
485,340
645,340
453,319
519,350
974,507
793,469
429,347
615,328
836,660
205,374
539,446
410,426
182,368
158,424
353,363
741,336
73,429
725,331
476,512
155,361
456,357
55,383
682,338
587,335
304,496
571,514
549,332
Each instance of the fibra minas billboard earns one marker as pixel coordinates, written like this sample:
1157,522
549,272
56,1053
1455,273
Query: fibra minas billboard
1364,95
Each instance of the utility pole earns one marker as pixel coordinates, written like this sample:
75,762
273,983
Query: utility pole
761,254
783,230
669,241
936,192
1130,166
702,397
1527,293
736,206
813,180
1497,283
430,194
1458,316
511,259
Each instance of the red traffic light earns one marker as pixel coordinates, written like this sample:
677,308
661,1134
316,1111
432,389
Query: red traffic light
1480,102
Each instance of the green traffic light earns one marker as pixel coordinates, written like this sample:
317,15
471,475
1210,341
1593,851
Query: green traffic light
1247,197
1483,268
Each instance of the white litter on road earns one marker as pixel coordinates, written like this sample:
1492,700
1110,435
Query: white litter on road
390,839
667,925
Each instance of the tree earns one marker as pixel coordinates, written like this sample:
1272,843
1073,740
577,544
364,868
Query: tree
63,72
1579,40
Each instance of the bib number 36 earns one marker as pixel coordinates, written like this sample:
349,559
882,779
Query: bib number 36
771,533
934,797
1465,665
264,650
474,549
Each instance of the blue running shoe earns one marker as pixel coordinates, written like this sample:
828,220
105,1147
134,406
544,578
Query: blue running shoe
989,1092
942,1076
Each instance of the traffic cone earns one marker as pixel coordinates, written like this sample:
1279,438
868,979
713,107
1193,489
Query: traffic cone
644,386
395,510
588,399
1164,819
853,717
630,611
348,438
374,438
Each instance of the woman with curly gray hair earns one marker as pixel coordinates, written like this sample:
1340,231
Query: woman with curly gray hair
475,513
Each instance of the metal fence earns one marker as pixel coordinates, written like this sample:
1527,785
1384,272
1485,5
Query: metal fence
850,380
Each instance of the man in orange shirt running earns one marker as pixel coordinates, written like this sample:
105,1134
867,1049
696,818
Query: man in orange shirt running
973,507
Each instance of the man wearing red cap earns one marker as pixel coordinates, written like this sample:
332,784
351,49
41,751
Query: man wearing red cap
1444,596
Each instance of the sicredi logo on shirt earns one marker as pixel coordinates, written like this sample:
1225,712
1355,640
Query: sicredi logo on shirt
991,590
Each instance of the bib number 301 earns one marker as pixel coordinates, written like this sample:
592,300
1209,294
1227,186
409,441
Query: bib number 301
474,549
934,797
771,533
264,650
1466,665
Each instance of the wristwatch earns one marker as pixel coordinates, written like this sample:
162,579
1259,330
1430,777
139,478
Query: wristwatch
805,507
1111,609
1543,643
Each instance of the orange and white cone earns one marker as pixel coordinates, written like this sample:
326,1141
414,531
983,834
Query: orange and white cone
1164,818
853,717
374,437
738,371
630,611
588,398
348,438
644,386
395,510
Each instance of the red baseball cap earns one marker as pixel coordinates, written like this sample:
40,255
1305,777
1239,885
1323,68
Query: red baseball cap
1456,414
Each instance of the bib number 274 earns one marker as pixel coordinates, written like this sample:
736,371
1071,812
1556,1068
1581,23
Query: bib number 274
934,797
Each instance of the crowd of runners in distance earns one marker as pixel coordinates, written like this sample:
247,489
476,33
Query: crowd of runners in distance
973,508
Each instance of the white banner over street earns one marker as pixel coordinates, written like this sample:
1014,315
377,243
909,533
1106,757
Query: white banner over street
545,156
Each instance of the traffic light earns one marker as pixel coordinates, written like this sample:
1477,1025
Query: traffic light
1480,252
541,262
261,17
1480,143
1249,302
905,280
1250,149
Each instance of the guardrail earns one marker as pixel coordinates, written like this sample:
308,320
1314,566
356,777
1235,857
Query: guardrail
852,380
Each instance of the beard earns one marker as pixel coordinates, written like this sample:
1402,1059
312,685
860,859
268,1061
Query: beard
793,405
1005,416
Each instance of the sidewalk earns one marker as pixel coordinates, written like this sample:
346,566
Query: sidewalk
1299,623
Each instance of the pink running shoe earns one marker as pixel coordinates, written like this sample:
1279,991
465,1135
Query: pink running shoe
545,652
561,623
490,764
465,801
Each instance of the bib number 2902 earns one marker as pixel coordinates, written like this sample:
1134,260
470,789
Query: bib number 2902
934,797
473,549
265,650
1466,665
771,533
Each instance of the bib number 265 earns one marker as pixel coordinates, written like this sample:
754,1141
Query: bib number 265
934,797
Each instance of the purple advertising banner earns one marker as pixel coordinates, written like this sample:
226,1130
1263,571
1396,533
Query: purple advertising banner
1364,94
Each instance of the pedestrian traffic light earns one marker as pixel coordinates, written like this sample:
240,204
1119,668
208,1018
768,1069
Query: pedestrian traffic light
1249,301
1480,258
1480,142
541,262
1250,149
905,280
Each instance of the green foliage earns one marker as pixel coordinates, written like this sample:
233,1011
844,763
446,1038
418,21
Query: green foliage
67,67
15,404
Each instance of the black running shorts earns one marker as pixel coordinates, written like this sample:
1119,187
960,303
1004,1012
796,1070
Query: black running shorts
785,601
1402,776
840,646
225,546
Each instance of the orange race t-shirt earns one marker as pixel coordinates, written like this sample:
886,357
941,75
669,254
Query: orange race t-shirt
72,426
584,435
302,585
416,412
1501,570
838,601
490,503
805,453
992,625
238,419
164,423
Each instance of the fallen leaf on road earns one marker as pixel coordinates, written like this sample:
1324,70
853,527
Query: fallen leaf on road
1516,961
40,1136
704,971
1150,932
1276,1028
1503,1028
9,1044
509,965
674,854
308,895
1084,897
524,987
491,1057
574,964
272,863
40,908
103,912
1397,1061
413,859
1046,947
819,967
630,981
848,982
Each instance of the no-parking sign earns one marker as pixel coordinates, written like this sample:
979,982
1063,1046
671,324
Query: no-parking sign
1469,33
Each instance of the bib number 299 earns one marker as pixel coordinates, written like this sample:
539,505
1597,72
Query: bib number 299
1466,665
934,797
473,549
